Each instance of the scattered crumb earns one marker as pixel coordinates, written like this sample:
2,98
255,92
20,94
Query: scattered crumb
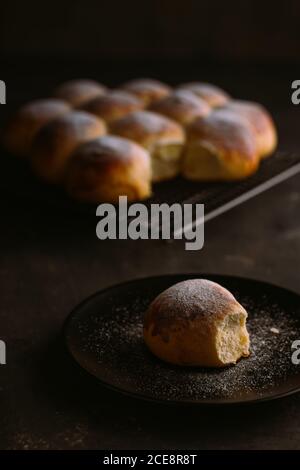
274,330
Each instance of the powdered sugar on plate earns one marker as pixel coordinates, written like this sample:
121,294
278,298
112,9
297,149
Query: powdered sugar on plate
106,338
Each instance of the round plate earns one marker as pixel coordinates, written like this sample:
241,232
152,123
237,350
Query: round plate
104,334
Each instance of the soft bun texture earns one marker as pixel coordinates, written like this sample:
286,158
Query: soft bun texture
181,105
55,143
108,167
22,127
161,136
262,123
113,105
147,89
220,147
77,92
197,323
212,94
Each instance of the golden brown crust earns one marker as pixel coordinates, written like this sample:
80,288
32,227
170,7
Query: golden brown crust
77,92
55,143
261,121
113,105
182,106
148,128
109,167
226,130
181,325
212,94
230,137
23,126
147,89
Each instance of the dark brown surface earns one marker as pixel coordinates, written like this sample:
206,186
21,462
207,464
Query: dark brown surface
50,260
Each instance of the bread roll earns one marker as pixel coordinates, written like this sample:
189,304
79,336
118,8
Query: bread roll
113,105
162,137
220,147
212,94
262,123
109,167
55,143
197,323
148,90
77,92
182,105
23,126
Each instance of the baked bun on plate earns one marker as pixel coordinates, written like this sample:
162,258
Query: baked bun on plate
212,94
109,167
197,323
22,127
55,143
113,105
262,123
161,136
147,89
181,105
220,147
77,92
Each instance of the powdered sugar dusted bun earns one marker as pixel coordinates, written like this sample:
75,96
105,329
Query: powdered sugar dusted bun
182,105
197,323
55,143
113,105
214,95
23,126
77,92
262,123
147,128
161,136
220,146
109,167
147,89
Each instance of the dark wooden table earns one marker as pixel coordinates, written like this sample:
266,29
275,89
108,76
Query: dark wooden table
51,259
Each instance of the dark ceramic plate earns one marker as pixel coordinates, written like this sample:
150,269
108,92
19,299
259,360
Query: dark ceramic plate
104,336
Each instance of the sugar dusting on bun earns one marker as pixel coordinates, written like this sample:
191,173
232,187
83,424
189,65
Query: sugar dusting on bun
197,322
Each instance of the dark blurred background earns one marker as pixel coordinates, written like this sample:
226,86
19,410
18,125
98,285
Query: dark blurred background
249,47
220,31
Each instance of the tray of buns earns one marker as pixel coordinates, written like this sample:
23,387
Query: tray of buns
88,144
